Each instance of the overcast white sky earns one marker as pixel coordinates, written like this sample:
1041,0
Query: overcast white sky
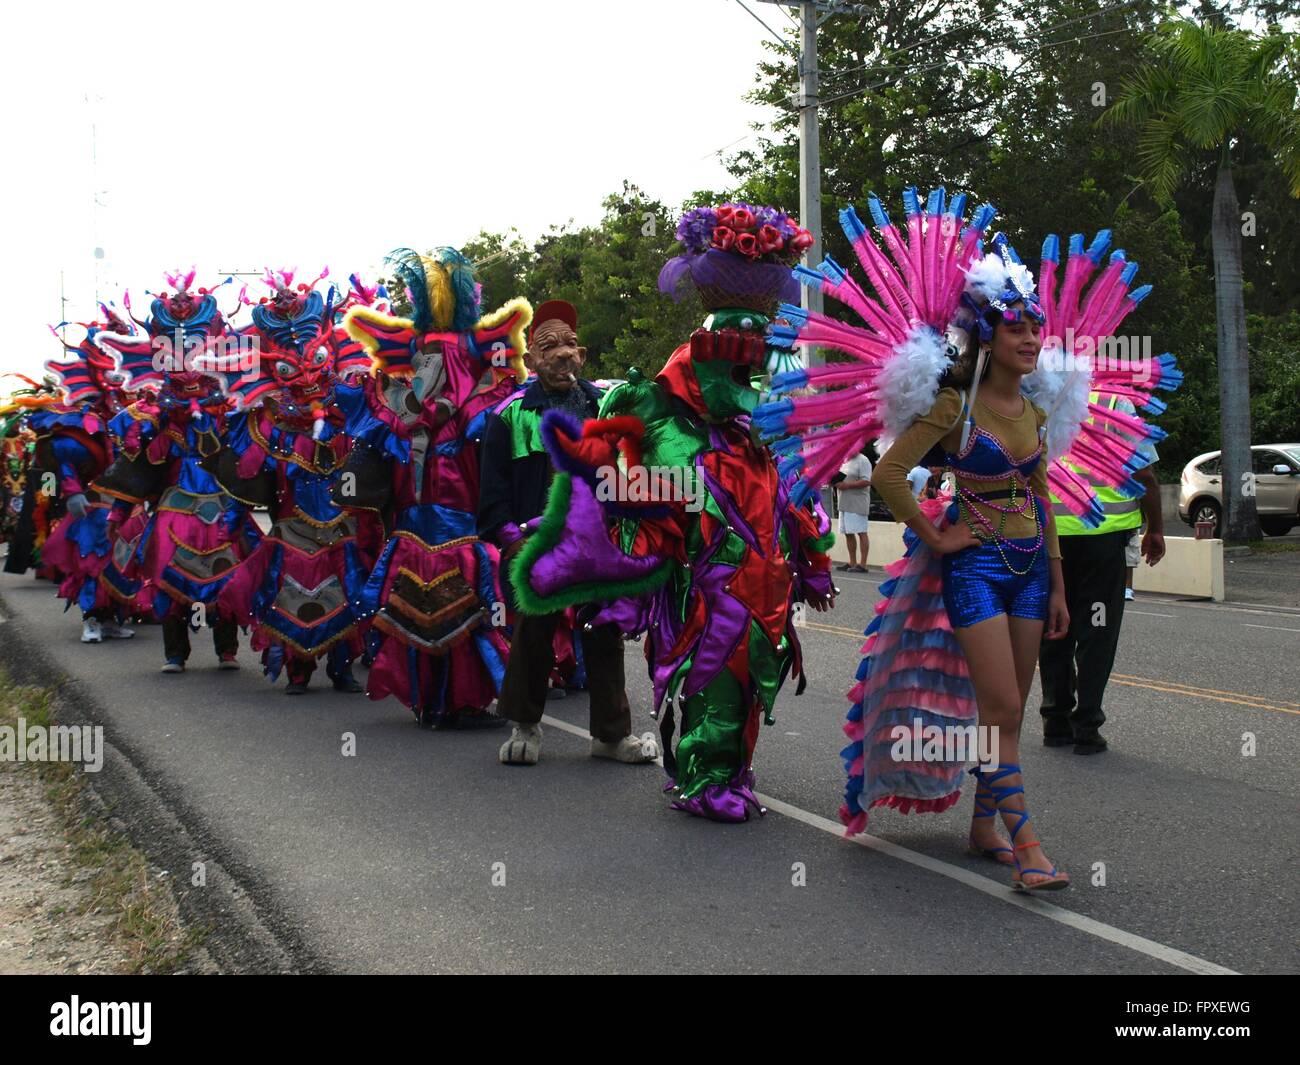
238,135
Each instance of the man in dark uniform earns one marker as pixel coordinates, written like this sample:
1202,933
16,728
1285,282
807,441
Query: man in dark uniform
515,478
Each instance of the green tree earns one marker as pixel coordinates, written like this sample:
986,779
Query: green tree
610,273
1208,90
501,262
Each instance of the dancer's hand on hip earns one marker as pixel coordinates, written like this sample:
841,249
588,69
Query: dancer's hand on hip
953,538
1058,617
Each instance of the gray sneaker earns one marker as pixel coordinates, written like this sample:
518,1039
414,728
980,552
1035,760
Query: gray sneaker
523,747
114,631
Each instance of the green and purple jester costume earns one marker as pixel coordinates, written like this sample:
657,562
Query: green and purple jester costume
670,519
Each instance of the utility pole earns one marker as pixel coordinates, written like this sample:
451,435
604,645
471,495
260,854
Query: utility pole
811,15
810,167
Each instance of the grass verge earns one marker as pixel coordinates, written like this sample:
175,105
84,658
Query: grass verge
1274,547
146,923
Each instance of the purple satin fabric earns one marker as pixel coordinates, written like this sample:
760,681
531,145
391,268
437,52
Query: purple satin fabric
585,551
726,625
723,802
729,509
508,534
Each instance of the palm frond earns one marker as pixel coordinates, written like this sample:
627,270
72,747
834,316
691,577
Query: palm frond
1163,155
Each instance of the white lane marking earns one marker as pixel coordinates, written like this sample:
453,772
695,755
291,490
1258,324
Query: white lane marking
1275,628
1235,608
1148,614
1001,892
993,888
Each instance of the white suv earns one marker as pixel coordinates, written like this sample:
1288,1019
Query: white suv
1277,488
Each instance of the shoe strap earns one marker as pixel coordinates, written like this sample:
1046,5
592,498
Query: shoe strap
982,794
1002,792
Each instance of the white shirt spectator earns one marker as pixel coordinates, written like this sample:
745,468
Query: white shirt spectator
856,500
918,477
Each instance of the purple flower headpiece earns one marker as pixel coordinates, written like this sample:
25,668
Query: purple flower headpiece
737,255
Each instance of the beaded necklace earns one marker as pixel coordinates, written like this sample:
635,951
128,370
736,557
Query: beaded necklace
997,536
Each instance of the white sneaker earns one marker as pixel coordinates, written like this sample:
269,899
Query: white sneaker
91,631
523,747
114,631
632,750
1128,595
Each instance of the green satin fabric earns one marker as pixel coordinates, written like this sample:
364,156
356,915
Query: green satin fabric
525,430
723,395
711,749
712,745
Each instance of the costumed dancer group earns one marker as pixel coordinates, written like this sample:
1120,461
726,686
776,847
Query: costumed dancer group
450,501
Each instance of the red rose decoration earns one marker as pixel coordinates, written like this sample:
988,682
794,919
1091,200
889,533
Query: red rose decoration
802,240
723,237
769,239
747,245
742,218
724,215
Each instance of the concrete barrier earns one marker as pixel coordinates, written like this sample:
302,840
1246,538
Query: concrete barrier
1192,568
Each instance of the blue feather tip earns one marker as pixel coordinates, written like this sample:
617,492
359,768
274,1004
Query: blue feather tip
852,224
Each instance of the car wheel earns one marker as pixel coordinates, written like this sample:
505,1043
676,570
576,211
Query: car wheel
1273,526
1206,510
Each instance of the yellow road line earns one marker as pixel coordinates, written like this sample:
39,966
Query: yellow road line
1202,695
1172,687
1194,689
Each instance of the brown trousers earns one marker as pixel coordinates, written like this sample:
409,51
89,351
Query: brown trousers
528,675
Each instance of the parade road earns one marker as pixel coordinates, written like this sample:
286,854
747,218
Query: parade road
409,850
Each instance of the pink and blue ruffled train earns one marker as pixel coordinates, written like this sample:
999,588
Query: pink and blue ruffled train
912,671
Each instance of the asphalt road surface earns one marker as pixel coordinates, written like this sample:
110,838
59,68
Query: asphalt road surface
421,853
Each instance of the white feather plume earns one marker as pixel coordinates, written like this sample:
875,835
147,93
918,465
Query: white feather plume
990,277
986,278
1062,391
909,382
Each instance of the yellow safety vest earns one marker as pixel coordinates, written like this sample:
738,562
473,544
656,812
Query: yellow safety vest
1120,512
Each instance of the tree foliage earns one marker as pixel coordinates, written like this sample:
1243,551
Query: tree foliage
996,98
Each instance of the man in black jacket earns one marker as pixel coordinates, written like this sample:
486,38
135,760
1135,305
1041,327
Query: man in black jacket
515,476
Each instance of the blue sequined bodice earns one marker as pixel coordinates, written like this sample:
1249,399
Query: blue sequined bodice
985,458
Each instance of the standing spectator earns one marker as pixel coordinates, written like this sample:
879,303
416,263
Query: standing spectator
855,507
1132,557
918,477
1074,670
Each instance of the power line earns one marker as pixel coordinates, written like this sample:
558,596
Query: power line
966,25
960,62
907,71
780,40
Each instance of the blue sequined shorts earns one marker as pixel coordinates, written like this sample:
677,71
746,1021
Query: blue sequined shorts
977,584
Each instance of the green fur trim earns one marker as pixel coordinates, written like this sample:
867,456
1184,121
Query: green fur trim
544,539
823,543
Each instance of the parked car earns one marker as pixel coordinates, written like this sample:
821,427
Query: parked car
1277,488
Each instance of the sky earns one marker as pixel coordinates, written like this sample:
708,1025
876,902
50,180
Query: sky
240,135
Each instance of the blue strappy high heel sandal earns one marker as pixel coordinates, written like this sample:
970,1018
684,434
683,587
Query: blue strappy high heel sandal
1056,880
984,809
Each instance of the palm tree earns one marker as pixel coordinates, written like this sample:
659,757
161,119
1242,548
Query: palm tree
1206,89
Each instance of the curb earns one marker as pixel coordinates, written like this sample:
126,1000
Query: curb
244,934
